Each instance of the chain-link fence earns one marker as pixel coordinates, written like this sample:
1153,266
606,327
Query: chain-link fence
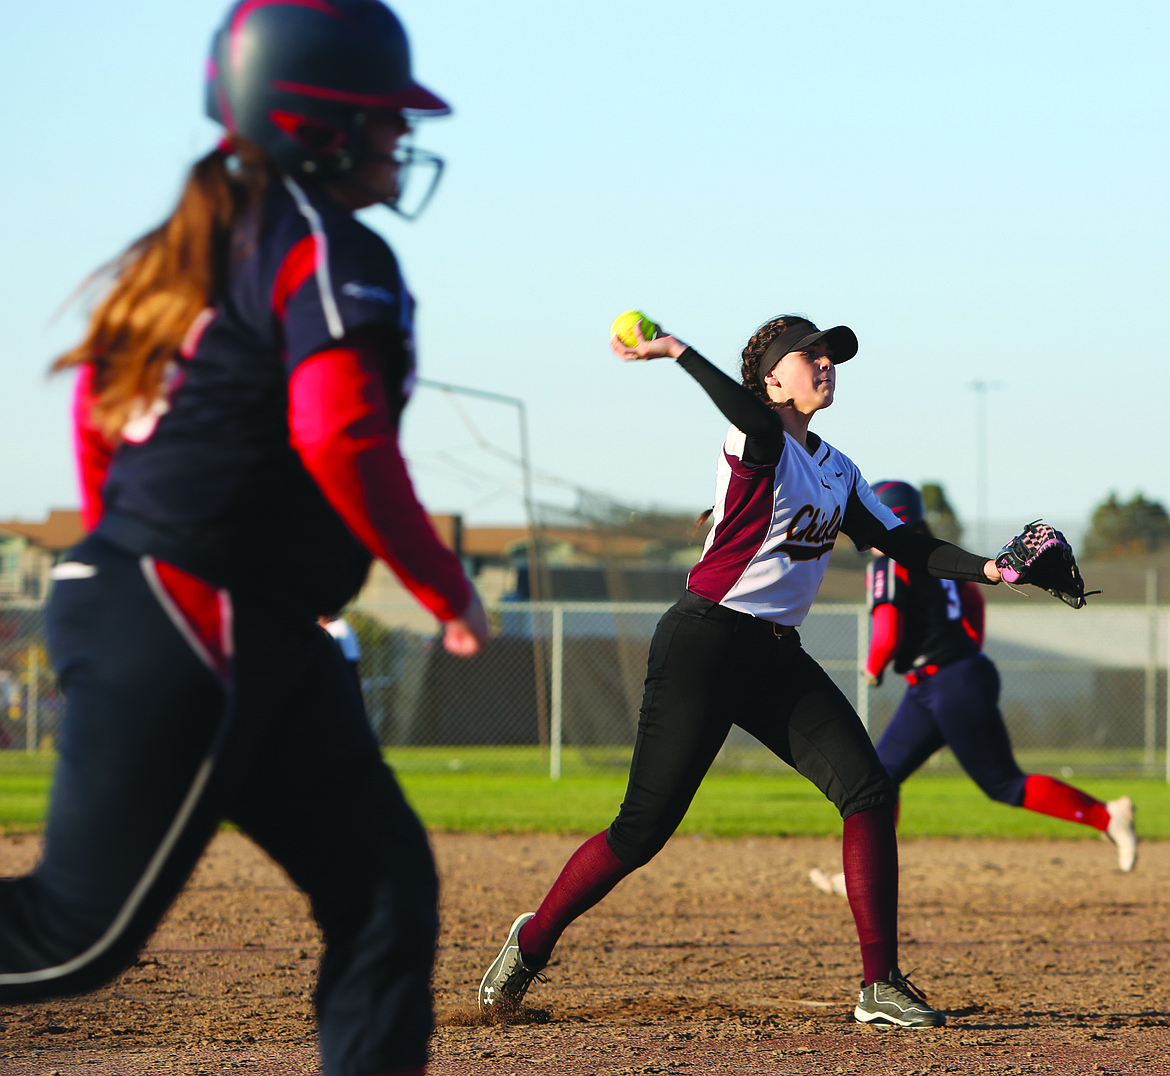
563,681
1081,693
30,705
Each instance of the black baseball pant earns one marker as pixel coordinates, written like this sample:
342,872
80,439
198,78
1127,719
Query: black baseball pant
160,742
711,667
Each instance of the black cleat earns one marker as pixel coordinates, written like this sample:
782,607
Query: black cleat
897,1002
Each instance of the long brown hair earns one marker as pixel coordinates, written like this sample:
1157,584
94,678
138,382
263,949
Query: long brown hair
753,353
162,281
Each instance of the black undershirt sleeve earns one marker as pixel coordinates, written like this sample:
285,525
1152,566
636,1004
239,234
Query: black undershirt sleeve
911,549
938,558
950,562
746,412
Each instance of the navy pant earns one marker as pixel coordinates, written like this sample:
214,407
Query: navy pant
957,707
711,667
159,744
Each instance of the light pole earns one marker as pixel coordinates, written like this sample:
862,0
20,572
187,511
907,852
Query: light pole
525,468
535,578
981,388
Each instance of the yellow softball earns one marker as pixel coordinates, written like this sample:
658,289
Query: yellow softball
623,327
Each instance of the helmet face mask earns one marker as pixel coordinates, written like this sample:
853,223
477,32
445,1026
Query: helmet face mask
419,172
299,78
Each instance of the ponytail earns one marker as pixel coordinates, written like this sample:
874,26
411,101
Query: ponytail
161,283
699,523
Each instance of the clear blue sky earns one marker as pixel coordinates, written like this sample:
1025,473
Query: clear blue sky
980,191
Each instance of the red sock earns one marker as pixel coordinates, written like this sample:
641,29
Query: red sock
1047,795
592,871
869,851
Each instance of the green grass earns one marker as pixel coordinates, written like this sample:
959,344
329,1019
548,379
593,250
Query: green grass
508,790
743,804
24,789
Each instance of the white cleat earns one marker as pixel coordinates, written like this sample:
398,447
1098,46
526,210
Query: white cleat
507,981
828,883
1121,831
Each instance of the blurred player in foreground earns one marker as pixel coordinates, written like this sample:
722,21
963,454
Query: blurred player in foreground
932,631
238,398
729,651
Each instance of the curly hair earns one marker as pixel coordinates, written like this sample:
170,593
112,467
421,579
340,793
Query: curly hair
757,345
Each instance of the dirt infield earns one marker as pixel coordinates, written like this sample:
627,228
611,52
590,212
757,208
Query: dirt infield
717,957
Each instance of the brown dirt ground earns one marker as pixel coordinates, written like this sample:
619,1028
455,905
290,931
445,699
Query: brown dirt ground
717,957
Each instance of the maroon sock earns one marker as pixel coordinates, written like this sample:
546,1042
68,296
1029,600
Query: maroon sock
1047,795
592,871
869,851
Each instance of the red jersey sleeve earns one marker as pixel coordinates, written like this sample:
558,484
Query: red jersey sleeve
883,580
973,606
91,450
342,425
886,638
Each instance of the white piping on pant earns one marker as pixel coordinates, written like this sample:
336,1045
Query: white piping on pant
137,894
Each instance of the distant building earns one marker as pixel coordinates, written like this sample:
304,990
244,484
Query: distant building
29,550
576,564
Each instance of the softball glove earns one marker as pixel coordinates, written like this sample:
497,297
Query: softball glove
1040,556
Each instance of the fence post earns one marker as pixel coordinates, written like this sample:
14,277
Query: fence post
31,698
1151,700
1167,621
556,691
862,652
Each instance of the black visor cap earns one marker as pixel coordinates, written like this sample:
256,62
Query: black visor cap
840,339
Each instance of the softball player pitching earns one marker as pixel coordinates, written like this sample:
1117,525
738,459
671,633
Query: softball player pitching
729,651
931,630
238,397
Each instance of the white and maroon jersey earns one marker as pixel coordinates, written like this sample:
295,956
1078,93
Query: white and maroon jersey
775,525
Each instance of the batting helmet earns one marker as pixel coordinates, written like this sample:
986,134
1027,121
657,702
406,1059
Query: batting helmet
902,499
298,78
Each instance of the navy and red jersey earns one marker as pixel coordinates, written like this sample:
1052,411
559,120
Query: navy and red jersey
271,459
920,621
